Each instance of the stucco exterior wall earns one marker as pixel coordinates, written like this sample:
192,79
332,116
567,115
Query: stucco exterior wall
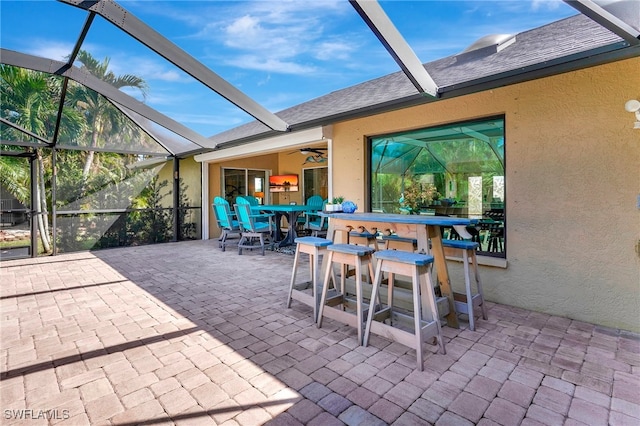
572,182
190,172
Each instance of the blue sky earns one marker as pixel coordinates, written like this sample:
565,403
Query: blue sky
280,53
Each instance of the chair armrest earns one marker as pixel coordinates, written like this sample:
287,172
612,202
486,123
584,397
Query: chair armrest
311,215
259,215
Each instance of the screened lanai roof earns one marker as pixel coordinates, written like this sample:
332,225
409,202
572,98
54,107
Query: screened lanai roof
605,31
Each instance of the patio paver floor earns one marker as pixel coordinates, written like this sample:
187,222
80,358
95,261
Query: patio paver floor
183,333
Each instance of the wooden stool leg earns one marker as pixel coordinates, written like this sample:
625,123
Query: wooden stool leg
479,285
313,265
431,302
467,284
417,317
374,293
325,287
390,283
359,298
293,275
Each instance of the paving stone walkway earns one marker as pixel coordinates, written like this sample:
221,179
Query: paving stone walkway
185,334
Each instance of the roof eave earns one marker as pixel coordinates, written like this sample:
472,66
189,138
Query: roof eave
610,53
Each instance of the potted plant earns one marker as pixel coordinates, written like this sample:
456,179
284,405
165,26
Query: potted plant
335,205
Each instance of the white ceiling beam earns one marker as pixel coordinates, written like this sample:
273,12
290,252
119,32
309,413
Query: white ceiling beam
146,35
608,20
378,21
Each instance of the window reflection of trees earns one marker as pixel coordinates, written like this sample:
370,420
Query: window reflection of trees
464,161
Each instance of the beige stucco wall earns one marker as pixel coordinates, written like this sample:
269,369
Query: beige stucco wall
572,182
190,172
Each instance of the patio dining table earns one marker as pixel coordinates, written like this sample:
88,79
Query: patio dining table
292,211
422,228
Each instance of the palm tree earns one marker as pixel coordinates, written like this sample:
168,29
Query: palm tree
31,99
102,117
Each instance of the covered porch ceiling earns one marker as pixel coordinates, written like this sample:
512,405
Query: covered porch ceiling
174,139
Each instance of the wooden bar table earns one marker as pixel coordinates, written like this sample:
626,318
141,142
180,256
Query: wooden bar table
422,228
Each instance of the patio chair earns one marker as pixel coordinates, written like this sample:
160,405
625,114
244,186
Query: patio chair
226,221
250,201
313,222
318,226
253,231
253,201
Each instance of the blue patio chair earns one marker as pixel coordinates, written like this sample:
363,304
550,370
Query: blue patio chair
228,225
251,201
251,229
313,222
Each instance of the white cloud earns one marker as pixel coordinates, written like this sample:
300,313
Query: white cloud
149,68
280,37
264,80
270,64
53,50
334,50
546,4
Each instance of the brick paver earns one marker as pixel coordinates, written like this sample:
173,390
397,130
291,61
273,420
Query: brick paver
182,333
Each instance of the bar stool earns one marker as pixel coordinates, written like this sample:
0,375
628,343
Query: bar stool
417,266
346,255
314,247
396,242
464,303
362,237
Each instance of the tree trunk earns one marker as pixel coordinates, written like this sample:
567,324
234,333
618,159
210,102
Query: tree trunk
41,206
43,199
87,167
90,154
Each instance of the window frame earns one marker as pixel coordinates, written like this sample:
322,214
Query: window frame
486,257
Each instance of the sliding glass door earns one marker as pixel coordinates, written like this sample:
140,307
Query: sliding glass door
315,181
237,182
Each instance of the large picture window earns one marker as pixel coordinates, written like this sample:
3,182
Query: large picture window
452,170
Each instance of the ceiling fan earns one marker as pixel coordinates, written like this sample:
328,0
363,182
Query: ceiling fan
314,155
307,151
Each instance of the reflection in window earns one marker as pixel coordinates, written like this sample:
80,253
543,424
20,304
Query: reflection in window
244,182
315,182
453,170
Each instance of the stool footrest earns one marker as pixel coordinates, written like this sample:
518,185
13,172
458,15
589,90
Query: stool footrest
381,314
460,301
301,286
336,299
428,329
